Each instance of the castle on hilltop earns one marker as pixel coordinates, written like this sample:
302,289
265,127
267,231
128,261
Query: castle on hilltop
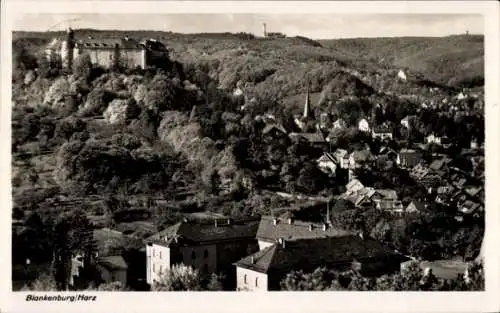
107,53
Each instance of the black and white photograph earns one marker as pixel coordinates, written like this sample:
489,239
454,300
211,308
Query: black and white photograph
247,152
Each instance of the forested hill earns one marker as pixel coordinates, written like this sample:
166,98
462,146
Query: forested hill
451,60
455,61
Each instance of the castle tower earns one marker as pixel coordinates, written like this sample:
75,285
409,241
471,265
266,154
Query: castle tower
307,105
67,49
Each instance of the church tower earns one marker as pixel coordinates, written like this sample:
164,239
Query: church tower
307,105
67,49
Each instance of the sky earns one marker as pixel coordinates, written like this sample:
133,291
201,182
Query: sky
316,26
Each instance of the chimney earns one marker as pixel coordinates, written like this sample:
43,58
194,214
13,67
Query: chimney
361,235
324,227
311,227
215,222
275,221
228,221
166,238
290,221
281,242
252,259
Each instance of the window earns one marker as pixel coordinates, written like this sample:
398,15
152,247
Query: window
153,252
205,254
160,255
160,269
205,268
193,255
245,278
154,268
256,281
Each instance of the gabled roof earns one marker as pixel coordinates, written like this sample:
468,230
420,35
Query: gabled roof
438,164
340,153
311,253
420,206
361,155
267,231
354,185
198,232
327,157
114,262
388,194
272,126
315,137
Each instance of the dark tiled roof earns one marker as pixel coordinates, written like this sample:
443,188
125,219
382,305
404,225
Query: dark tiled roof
191,232
267,231
438,164
311,253
114,262
311,137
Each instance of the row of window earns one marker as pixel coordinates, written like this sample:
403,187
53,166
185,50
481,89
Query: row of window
205,269
193,254
256,280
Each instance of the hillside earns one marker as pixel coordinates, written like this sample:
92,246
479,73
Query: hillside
453,60
282,66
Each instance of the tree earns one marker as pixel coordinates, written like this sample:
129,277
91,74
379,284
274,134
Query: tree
44,282
82,66
179,278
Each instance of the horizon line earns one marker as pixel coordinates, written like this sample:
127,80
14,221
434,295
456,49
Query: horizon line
236,33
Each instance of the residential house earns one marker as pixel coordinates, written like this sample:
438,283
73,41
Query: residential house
382,132
339,124
113,269
416,207
325,120
359,158
437,140
440,165
473,191
409,121
469,207
315,139
354,186
207,246
272,228
265,269
342,157
408,158
327,163
364,126
389,152
387,200
359,195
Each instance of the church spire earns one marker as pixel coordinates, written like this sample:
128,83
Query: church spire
307,104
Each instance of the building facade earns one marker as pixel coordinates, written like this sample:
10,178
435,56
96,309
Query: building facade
210,247
107,53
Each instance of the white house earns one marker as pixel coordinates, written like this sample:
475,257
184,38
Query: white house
339,124
363,125
327,163
342,157
402,75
